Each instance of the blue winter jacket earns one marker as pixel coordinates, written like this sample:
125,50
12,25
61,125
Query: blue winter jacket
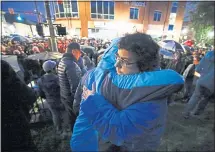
206,64
206,69
127,110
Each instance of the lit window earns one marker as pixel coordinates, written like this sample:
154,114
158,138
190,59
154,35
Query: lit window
61,8
134,13
94,30
66,9
56,10
174,7
157,15
171,27
102,10
74,7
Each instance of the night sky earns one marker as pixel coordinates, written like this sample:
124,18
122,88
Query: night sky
25,6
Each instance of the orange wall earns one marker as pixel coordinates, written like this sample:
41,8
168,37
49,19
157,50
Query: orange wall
122,13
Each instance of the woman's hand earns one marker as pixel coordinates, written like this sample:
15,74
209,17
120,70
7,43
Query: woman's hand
86,92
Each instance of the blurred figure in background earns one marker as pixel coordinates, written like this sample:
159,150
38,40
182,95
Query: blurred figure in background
81,65
49,85
69,74
204,80
35,49
16,100
196,59
16,52
88,64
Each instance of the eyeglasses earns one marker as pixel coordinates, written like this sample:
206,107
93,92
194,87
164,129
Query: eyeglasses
123,62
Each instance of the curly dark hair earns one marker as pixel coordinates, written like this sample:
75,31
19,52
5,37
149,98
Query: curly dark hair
146,49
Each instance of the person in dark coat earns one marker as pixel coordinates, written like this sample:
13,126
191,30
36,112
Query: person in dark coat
32,69
88,64
69,74
16,100
204,89
81,65
49,85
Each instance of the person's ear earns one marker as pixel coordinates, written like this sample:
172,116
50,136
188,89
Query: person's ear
73,52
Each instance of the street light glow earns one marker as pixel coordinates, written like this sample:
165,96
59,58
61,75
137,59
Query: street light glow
19,18
211,34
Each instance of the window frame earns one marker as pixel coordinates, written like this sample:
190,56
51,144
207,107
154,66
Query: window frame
172,27
94,30
157,11
174,8
138,10
174,5
103,14
66,10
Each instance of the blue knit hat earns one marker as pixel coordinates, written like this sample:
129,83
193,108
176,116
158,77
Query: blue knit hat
49,65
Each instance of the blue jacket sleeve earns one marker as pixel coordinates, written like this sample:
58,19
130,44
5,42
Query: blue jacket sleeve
108,60
207,56
117,126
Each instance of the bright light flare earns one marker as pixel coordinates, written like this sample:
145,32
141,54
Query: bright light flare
184,31
211,34
19,18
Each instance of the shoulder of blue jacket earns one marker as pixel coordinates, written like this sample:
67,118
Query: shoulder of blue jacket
95,76
209,54
154,78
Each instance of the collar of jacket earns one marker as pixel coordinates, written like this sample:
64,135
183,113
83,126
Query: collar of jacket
70,55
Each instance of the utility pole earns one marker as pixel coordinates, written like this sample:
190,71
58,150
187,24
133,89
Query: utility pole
51,27
37,12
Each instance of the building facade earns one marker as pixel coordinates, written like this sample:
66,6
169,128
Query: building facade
112,18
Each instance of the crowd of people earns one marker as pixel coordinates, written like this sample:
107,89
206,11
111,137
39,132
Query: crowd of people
117,104
9,47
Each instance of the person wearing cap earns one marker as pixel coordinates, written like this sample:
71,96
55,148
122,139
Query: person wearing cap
81,65
69,74
88,64
48,85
